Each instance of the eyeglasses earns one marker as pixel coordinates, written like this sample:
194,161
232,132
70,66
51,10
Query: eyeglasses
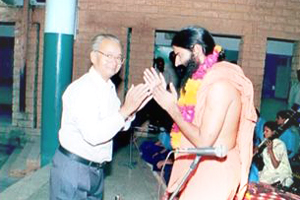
119,59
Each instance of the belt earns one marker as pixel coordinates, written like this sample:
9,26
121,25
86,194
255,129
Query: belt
80,159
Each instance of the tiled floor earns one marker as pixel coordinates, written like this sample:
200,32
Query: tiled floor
130,179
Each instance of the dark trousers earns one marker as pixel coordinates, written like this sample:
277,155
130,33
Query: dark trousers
151,153
70,179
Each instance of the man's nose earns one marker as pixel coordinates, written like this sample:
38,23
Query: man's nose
177,61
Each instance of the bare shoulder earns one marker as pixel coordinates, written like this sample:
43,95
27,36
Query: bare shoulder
223,88
223,93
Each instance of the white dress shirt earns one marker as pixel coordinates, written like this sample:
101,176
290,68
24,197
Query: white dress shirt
90,117
294,96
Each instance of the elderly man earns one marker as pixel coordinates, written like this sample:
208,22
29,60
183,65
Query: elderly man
92,115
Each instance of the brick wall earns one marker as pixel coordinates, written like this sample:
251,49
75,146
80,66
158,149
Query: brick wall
253,20
29,120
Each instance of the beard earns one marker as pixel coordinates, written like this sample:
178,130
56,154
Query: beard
191,67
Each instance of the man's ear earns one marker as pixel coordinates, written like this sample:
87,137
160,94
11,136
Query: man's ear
93,57
198,52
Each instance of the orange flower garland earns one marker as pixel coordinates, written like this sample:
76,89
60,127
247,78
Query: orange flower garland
188,100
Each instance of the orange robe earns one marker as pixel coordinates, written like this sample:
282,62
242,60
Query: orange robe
215,178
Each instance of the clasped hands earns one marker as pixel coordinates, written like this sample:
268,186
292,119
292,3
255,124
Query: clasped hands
154,87
158,87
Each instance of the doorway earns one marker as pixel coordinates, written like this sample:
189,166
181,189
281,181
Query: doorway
277,78
6,71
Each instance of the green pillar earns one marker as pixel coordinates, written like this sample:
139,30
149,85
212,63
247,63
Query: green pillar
57,70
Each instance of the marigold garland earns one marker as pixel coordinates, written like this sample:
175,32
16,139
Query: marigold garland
188,100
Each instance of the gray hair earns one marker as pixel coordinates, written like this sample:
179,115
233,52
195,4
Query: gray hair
97,40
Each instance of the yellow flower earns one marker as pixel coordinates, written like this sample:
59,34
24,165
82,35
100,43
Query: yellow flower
248,196
218,48
175,139
190,96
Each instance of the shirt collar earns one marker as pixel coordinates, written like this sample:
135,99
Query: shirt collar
98,78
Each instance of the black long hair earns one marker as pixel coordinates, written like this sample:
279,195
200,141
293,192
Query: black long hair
192,35
187,38
271,125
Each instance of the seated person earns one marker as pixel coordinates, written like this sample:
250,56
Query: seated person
167,169
258,131
289,138
253,173
276,163
258,137
154,152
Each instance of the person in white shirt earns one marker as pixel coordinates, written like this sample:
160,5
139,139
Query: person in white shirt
294,95
92,115
277,166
